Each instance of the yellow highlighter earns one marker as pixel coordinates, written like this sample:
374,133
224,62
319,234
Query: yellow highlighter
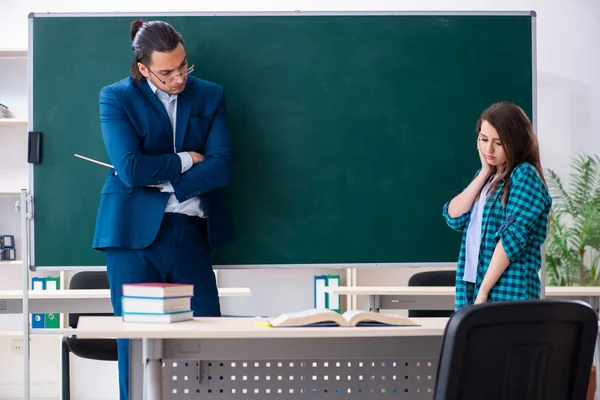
263,324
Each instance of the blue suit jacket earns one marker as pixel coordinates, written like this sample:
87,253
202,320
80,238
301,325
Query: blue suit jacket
138,138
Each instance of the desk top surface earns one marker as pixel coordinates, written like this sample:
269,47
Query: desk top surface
551,291
94,294
242,328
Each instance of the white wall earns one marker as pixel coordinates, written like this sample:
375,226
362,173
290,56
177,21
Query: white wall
568,93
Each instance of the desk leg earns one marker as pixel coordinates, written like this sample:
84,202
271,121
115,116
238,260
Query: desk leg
153,369
136,369
597,363
595,303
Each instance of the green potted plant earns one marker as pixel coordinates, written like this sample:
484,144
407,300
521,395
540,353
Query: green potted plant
573,242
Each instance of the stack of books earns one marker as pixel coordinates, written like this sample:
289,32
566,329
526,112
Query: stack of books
157,302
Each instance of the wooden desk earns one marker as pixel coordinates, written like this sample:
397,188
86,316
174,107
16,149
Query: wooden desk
74,301
442,297
236,357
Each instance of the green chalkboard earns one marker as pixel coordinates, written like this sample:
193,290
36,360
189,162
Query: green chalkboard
350,131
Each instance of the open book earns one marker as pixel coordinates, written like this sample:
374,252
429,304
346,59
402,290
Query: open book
325,317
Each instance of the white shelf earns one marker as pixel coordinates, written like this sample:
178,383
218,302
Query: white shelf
15,181
19,333
11,333
12,122
87,294
12,262
13,52
45,398
11,192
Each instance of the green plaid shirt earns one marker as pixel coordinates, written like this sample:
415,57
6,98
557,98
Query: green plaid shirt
521,224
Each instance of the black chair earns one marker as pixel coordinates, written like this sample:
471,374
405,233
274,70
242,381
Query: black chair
432,278
95,349
518,350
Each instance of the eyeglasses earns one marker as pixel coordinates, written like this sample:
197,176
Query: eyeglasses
170,79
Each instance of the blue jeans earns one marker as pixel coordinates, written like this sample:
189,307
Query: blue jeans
179,254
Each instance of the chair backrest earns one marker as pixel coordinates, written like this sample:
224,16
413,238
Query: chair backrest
518,350
88,280
432,278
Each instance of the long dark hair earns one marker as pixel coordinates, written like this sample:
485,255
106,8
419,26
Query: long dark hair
518,140
148,37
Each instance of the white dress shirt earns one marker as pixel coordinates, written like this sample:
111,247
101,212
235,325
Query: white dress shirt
191,206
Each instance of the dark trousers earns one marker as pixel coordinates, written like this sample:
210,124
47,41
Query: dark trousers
179,254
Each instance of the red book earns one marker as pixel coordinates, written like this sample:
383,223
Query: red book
158,290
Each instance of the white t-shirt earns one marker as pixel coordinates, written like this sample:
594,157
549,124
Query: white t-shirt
474,236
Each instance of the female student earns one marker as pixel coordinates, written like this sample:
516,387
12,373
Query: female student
503,213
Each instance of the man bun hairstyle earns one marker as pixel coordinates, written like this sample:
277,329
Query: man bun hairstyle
148,37
135,27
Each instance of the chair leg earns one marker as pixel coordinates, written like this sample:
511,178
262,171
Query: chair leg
66,370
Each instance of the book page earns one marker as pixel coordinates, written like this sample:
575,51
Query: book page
370,318
308,317
352,317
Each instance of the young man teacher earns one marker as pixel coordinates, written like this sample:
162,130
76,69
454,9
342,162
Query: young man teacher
161,211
